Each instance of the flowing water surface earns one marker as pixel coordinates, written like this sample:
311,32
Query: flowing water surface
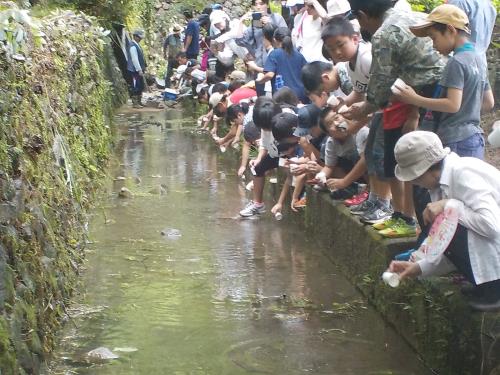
175,283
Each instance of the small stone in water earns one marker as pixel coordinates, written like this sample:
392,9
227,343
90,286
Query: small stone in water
102,353
125,193
171,233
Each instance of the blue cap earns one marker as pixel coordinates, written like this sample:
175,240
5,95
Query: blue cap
216,7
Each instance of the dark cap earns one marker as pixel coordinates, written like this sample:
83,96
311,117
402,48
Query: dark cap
308,118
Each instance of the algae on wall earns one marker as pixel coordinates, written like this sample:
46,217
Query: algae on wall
59,85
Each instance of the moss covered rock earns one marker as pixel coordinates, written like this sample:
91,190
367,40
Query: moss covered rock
59,86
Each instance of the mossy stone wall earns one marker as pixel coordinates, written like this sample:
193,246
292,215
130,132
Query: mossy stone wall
55,139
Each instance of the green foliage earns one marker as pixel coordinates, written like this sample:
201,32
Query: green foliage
424,5
55,139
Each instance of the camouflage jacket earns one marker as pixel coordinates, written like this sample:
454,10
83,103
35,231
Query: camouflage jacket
397,53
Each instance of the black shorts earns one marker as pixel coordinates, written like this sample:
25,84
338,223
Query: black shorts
391,136
345,164
266,164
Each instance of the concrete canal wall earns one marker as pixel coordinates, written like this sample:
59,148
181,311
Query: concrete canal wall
59,83
431,315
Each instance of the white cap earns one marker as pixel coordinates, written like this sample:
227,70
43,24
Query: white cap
416,152
218,16
215,99
336,7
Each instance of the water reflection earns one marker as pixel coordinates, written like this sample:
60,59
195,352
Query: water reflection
228,296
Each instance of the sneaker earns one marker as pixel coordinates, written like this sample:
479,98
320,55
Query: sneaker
386,224
376,215
301,203
399,229
362,208
357,199
252,209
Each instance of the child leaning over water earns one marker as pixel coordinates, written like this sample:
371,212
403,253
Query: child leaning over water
341,151
464,89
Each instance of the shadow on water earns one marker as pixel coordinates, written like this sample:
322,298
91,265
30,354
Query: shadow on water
174,283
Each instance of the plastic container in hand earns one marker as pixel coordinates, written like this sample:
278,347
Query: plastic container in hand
278,216
397,86
391,279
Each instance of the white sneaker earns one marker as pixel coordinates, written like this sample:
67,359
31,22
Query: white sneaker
253,209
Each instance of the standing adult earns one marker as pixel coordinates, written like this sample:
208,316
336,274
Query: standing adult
253,37
136,66
171,47
309,41
192,36
285,62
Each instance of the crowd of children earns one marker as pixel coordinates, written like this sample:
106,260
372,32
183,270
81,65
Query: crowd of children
364,99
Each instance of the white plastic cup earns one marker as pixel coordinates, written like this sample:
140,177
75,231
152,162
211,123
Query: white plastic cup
397,86
222,149
321,177
278,216
333,101
494,137
282,162
391,279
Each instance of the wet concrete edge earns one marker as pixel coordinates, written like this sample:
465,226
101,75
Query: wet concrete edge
431,315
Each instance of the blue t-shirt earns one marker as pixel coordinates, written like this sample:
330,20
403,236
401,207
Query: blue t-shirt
193,29
289,67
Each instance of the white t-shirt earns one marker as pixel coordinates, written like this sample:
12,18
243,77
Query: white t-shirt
269,143
310,39
360,76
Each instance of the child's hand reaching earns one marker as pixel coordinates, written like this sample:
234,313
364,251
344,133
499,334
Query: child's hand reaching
405,94
336,183
276,208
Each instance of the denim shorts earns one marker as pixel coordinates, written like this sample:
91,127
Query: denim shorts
472,146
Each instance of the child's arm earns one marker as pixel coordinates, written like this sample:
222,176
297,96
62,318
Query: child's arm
238,134
355,174
488,101
263,78
450,104
245,155
284,191
308,148
411,122
230,135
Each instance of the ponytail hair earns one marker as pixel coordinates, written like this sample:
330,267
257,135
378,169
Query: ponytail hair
284,36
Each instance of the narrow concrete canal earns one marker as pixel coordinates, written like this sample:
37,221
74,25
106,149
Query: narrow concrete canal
213,294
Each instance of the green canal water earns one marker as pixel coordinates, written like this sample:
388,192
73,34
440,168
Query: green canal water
227,296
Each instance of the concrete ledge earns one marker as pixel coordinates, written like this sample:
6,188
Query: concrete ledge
431,315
